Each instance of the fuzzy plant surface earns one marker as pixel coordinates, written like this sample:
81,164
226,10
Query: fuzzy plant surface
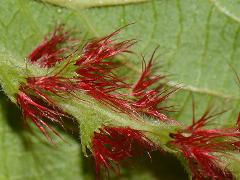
83,96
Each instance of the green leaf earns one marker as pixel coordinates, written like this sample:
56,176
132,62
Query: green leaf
229,8
77,4
28,156
198,40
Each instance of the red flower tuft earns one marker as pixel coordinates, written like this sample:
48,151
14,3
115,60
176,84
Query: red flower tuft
36,110
36,104
98,50
57,85
94,76
204,148
115,144
95,72
147,99
99,81
51,50
147,78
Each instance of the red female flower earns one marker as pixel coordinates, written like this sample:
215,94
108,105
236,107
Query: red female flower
147,99
100,49
36,110
114,144
92,74
204,149
52,49
36,103
96,72
95,66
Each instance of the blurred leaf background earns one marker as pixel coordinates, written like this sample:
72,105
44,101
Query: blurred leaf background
199,40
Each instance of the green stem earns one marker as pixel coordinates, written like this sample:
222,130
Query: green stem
92,115
12,74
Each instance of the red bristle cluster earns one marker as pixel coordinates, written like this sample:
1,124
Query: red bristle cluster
38,111
204,148
114,144
146,79
54,84
95,71
147,99
52,49
100,49
38,106
95,76
113,101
